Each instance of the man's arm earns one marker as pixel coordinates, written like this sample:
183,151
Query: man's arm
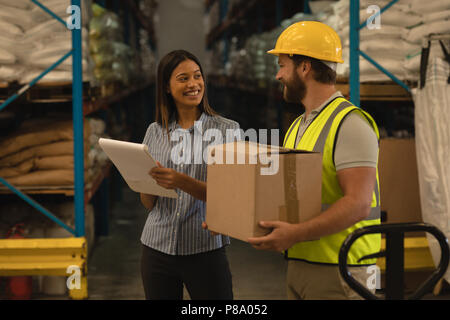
357,185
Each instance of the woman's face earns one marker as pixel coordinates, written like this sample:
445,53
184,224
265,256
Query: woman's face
186,84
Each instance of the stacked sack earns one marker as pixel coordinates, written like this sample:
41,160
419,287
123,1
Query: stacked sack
15,18
384,44
32,40
53,40
396,45
40,153
435,20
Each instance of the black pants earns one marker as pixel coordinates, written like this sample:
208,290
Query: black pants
206,275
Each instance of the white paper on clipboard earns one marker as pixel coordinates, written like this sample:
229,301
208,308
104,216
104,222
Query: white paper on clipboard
134,163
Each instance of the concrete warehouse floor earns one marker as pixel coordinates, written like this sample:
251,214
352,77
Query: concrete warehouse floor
114,264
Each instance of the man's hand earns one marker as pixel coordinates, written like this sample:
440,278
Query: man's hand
283,236
166,177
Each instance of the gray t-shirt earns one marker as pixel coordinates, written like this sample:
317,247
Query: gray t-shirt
357,142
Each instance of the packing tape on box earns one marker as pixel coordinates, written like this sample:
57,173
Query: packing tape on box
289,212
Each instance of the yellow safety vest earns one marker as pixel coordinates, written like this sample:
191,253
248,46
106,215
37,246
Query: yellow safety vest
321,136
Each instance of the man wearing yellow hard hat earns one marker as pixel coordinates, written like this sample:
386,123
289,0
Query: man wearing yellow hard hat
347,136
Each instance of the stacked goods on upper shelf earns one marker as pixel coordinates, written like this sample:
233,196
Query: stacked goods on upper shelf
147,57
40,153
435,20
394,41
114,60
395,45
251,62
32,40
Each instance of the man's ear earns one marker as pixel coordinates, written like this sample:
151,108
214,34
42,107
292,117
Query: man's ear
304,68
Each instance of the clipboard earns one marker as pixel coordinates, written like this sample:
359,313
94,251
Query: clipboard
134,163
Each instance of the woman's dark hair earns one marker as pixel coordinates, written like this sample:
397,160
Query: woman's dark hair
322,73
165,106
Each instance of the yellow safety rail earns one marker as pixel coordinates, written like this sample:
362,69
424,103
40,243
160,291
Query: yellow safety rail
417,255
51,257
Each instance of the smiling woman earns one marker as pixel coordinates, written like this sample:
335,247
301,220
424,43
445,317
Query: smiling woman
176,249
187,85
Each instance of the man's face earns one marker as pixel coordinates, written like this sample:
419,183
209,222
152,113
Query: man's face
294,88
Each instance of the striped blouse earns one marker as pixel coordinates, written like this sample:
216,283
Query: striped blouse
174,225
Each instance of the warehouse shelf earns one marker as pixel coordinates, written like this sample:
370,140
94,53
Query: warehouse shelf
143,20
94,98
250,16
91,186
85,100
114,94
373,91
232,20
356,52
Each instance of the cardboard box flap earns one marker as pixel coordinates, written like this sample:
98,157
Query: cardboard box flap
250,151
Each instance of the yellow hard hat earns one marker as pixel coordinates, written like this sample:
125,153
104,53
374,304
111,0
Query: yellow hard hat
310,38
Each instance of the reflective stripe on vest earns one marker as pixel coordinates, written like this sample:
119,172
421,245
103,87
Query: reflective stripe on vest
320,136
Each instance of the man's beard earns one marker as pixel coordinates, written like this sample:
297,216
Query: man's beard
295,90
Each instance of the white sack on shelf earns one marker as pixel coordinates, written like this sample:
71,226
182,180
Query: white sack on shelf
45,62
45,30
436,16
10,30
412,63
416,34
393,17
321,6
396,15
395,48
422,6
19,4
20,17
52,76
385,32
6,57
433,150
19,47
11,72
342,6
369,72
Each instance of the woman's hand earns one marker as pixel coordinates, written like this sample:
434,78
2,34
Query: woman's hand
166,177
170,179
205,227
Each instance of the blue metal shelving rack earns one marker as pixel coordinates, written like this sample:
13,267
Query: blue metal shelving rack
33,254
355,52
77,112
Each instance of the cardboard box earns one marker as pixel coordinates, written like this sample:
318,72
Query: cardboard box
260,182
399,182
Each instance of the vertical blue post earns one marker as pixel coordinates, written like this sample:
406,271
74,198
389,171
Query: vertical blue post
279,12
306,8
354,52
260,19
78,137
